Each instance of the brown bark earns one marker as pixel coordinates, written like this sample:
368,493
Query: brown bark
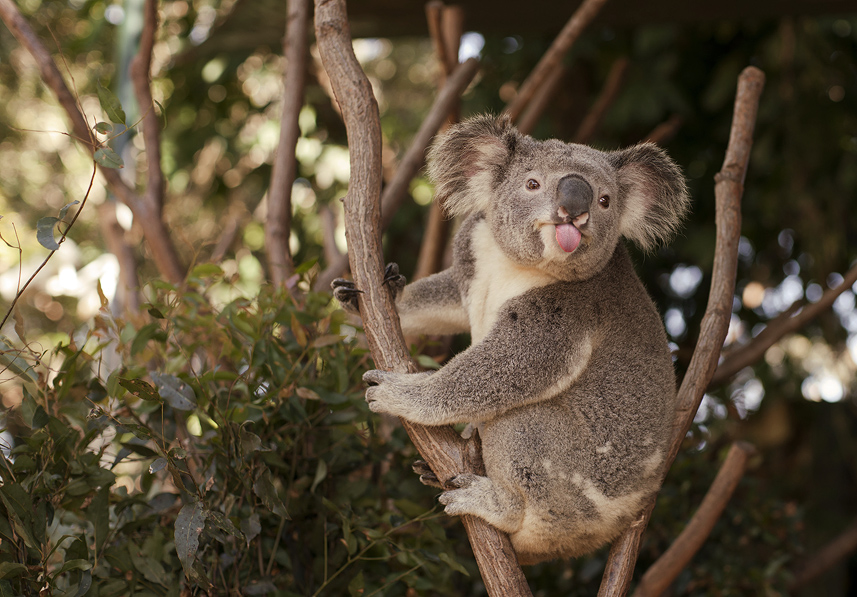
605,99
667,567
665,130
148,215
114,238
279,221
584,15
446,25
789,321
728,190
541,100
830,555
441,447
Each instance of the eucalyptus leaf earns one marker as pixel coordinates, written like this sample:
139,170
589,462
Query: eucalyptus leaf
110,104
64,209
189,524
45,232
264,488
106,157
177,393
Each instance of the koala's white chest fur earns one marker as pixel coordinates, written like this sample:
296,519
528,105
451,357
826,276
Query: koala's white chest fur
497,279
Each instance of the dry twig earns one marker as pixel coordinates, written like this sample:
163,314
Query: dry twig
728,190
667,567
444,450
279,220
584,15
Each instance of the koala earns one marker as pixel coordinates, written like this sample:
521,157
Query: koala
569,377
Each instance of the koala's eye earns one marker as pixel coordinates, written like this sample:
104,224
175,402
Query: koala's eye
604,201
533,185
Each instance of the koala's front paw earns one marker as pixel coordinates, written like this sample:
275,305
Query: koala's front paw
398,394
346,293
394,279
427,476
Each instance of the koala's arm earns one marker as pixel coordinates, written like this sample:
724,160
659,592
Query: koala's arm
432,305
514,365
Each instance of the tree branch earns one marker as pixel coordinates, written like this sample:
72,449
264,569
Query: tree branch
396,191
139,70
279,222
665,130
541,99
790,320
149,216
824,560
444,450
446,24
667,567
584,14
605,99
728,190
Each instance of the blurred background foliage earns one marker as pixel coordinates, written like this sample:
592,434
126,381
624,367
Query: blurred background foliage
252,357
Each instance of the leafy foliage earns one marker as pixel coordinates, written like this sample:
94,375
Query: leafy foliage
228,451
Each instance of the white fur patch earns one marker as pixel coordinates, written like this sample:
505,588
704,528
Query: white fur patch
604,449
577,362
497,280
612,510
653,463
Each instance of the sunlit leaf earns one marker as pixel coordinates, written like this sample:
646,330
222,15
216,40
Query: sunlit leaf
107,158
64,209
110,104
158,465
141,389
177,393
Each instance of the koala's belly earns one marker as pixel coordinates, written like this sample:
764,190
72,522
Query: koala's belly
496,280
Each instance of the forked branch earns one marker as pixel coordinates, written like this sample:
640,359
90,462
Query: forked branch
441,447
728,190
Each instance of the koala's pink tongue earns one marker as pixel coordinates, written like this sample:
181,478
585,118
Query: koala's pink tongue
567,236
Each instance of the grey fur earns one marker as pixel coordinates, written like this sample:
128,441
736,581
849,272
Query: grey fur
569,377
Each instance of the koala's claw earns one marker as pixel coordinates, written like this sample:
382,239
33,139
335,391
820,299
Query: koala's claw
346,293
394,279
427,476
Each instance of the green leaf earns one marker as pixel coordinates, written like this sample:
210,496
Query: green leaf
19,506
206,270
75,565
305,266
222,522
106,157
12,569
34,414
65,208
98,513
110,104
320,474
149,567
84,584
264,488
141,389
150,331
189,525
45,232
158,465
356,586
10,357
251,527
453,563
104,128
177,393
250,442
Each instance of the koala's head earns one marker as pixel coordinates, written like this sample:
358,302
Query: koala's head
557,206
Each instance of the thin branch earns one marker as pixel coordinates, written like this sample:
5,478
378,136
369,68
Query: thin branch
665,130
139,70
284,171
444,450
114,238
541,100
396,191
605,99
667,567
328,235
791,320
728,190
584,15
830,555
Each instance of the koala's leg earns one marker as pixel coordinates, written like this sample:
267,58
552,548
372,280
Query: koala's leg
482,497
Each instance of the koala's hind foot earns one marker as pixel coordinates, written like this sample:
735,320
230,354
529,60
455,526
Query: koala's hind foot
480,496
427,476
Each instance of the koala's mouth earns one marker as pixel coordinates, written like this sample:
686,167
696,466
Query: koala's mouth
568,234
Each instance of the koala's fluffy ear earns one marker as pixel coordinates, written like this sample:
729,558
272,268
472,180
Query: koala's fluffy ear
462,162
655,198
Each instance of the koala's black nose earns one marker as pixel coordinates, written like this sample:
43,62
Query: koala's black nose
575,195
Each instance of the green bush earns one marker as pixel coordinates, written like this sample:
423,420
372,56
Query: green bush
218,444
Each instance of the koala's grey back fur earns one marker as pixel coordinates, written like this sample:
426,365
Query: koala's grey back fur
569,376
